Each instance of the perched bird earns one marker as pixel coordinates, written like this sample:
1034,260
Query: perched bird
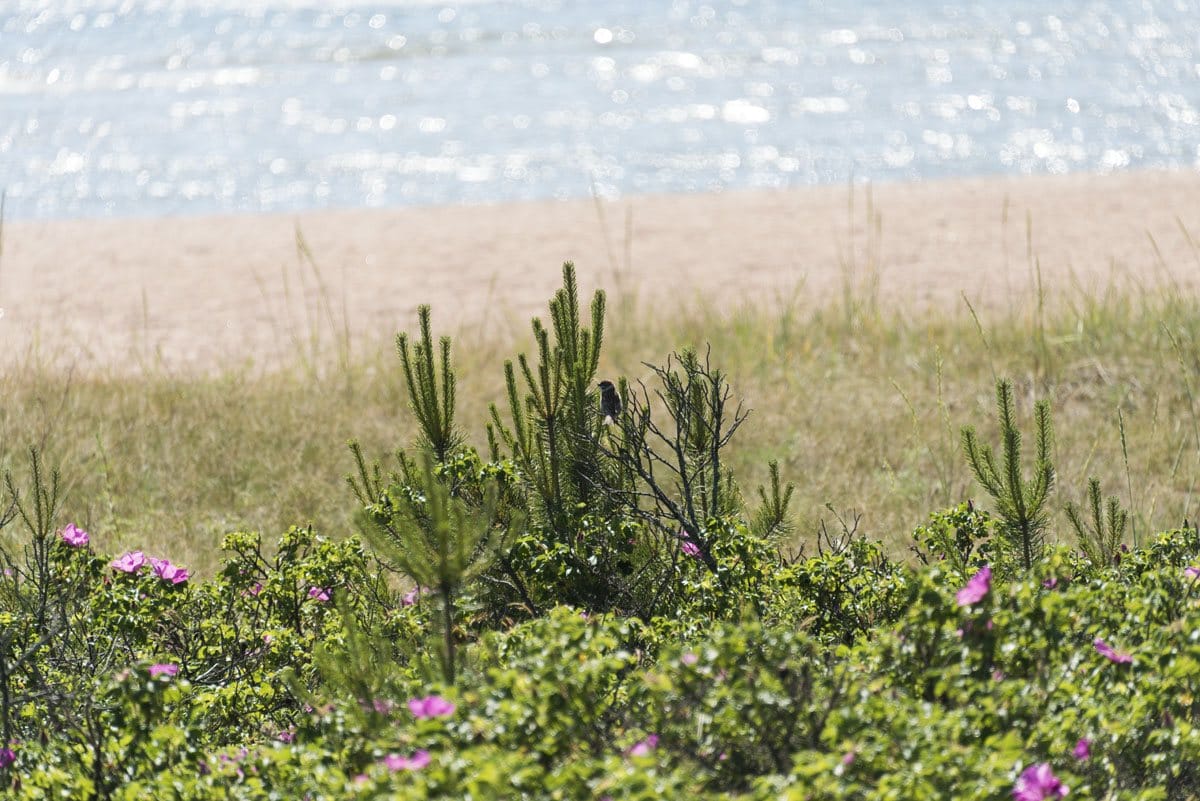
610,402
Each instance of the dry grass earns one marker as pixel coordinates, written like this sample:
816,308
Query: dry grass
862,408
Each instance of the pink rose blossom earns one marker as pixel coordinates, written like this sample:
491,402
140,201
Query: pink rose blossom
7,757
75,537
643,747
688,545
413,595
1082,749
1111,654
432,706
130,562
319,593
976,589
418,760
383,706
163,669
1038,783
172,574
689,658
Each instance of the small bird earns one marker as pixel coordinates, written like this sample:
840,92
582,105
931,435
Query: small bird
610,402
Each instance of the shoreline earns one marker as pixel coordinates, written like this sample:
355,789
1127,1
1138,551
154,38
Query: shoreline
202,292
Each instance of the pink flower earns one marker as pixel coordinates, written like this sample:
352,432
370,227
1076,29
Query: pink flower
130,562
432,706
688,545
1037,783
7,757
286,736
976,588
1112,655
172,574
418,760
1050,583
255,590
75,537
412,595
1191,572
643,747
689,658
163,669
1082,749
320,593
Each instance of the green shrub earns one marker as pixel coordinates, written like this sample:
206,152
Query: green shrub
592,613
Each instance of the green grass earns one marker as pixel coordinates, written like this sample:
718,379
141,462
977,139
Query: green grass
861,404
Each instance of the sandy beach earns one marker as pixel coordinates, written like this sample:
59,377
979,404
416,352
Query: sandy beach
196,293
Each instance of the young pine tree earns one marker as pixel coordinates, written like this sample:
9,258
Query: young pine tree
1020,502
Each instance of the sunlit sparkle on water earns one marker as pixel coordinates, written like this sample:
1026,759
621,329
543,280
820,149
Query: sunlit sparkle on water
148,108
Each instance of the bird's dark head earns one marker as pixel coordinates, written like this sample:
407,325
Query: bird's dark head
606,386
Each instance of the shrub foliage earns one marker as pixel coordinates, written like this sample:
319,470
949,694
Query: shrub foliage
592,611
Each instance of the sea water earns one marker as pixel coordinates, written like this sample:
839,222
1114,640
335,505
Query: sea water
137,108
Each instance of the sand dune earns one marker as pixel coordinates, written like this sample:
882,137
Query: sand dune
196,293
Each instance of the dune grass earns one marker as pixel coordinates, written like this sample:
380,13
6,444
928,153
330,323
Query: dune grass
861,404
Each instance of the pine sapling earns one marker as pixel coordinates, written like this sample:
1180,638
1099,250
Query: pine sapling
550,431
1100,536
430,396
771,517
436,540
1020,503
